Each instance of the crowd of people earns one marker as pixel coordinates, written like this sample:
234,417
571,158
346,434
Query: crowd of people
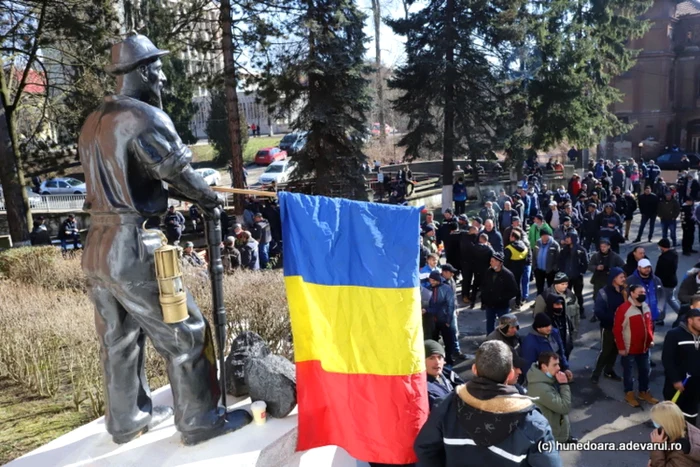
555,239
249,244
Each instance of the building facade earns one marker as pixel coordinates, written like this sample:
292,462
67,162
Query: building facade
662,91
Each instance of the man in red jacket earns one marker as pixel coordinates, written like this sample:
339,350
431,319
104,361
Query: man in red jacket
634,336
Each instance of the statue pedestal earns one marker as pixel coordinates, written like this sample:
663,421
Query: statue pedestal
269,445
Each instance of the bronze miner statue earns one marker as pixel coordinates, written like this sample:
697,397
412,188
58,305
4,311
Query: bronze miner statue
129,149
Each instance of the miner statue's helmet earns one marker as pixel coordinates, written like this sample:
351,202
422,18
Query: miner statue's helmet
135,50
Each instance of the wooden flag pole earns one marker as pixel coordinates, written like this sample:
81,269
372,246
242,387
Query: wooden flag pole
241,191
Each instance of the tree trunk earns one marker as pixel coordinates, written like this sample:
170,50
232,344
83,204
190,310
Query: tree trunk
231,85
377,13
15,197
448,141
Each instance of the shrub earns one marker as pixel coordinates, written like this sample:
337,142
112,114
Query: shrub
42,266
48,334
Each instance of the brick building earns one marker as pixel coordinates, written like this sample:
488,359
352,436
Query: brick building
662,91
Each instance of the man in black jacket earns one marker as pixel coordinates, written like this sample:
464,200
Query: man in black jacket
486,422
69,231
498,288
630,208
573,261
40,233
666,269
607,301
681,357
263,235
467,251
481,261
648,206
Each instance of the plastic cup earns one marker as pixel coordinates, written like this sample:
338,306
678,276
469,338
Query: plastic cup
259,409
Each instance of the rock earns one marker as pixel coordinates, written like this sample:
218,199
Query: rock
272,379
246,345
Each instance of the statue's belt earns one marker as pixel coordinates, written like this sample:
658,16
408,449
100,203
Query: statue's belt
116,218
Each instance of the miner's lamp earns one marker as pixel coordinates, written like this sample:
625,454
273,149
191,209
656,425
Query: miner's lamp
173,299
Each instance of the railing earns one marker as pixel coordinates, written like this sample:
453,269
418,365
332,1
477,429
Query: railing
49,203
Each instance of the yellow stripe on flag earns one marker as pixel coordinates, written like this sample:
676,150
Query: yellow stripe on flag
357,330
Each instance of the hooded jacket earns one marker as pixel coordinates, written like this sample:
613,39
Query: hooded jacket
535,343
553,399
533,234
515,346
608,300
633,328
561,321
674,458
630,207
680,356
472,428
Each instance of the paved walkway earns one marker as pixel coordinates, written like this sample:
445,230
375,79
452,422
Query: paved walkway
599,413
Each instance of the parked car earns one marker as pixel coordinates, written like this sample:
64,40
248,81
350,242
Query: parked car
277,172
62,186
376,128
672,160
267,156
34,199
293,142
211,176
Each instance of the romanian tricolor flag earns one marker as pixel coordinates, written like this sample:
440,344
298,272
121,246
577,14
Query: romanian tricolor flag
351,272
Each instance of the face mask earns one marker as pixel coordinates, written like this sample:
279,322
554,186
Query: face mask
642,298
549,375
656,425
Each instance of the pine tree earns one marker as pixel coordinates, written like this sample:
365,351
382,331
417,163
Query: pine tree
455,91
575,49
327,77
217,127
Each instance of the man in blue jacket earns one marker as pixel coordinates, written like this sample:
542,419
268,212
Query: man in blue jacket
486,422
544,337
441,307
441,379
607,301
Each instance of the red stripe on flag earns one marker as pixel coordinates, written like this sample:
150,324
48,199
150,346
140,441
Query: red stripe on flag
374,418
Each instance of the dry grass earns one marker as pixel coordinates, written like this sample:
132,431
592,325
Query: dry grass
50,350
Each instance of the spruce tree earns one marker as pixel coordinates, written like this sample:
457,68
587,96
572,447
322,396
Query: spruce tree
217,127
455,92
574,50
326,76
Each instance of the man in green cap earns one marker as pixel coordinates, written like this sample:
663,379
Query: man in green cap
441,379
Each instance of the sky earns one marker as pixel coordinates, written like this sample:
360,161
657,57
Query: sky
392,45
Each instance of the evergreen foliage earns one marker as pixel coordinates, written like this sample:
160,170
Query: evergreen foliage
217,127
326,76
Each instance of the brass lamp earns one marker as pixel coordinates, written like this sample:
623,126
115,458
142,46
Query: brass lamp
172,296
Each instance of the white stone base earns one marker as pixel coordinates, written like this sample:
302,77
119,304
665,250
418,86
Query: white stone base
269,445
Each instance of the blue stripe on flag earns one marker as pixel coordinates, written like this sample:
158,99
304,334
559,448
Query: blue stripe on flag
335,241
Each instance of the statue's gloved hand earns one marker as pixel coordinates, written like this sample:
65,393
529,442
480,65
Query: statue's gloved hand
210,204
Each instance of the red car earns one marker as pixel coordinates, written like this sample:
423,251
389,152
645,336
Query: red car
267,156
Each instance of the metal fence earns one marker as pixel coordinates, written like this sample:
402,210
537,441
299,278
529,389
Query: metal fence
53,203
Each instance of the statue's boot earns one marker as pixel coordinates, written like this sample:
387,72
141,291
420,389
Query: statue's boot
159,414
232,421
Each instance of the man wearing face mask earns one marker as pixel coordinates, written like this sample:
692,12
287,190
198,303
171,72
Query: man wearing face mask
549,387
653,287
634,336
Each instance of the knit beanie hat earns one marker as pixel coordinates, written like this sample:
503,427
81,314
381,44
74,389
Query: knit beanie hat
432,347
541,321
